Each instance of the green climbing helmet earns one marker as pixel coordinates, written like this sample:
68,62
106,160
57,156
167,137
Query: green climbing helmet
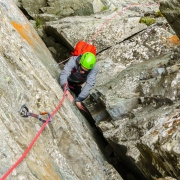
88,60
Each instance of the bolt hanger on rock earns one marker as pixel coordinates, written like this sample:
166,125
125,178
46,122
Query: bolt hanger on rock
24,112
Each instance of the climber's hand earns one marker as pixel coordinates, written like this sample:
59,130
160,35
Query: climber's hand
69,96
80,106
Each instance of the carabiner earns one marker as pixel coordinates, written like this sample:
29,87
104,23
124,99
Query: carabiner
24,111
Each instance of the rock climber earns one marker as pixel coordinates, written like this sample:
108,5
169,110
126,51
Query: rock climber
77,71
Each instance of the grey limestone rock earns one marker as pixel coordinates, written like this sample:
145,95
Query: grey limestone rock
66,149
135,103
170,9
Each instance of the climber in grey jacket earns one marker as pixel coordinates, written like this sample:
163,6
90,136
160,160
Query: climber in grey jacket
78,70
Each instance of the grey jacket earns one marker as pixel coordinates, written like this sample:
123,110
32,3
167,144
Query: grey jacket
71,73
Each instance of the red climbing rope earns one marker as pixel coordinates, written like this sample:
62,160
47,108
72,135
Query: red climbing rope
35,138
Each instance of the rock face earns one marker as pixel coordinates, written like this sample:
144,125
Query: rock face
66,149
135,103
55,9
170,9
89,29
141,105
119,22
143,124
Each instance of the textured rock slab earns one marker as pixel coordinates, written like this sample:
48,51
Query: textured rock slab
103,33
137,89
150,43
170,9
33,7
60,8
148,133
65,150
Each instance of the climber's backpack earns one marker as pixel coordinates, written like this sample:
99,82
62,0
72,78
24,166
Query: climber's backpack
82,47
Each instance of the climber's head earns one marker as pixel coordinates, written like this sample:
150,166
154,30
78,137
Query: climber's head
87,61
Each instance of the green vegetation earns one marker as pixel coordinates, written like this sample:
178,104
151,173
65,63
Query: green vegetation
158,14
104,8
57,13
38,22
116,9
147,20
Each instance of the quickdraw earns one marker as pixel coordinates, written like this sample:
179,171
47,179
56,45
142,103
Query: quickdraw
24,112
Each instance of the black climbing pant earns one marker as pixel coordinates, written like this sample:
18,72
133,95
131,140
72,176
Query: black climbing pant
75,88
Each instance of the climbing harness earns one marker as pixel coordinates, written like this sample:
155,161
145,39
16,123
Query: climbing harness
24,112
